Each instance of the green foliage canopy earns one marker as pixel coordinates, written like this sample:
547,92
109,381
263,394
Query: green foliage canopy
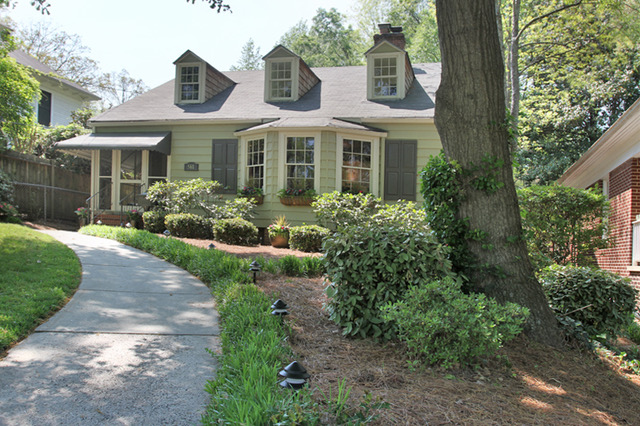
562,224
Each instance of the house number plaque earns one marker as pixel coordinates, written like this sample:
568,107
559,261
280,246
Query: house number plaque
191,167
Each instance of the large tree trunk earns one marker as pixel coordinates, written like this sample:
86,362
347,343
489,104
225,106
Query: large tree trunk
471,120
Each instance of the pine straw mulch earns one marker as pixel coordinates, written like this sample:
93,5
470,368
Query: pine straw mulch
529,384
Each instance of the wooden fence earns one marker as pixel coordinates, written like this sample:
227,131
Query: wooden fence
43,190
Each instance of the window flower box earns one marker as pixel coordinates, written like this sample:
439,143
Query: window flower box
297,197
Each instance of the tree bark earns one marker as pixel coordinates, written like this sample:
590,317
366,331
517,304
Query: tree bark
471,119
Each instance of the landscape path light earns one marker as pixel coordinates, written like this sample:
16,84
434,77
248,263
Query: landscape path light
279,309
295,376
99,222
255,268
211,246
167,233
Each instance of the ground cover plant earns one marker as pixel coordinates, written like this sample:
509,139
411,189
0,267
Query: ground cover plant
38,275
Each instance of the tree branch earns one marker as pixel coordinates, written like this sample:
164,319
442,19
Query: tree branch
546,15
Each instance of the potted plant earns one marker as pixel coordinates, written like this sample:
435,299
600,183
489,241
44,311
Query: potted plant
83,214
135,218
296,197
279,232
253,193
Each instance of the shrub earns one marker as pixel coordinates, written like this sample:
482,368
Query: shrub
307,238
154,221
562,224
601,301
188,225
440,324
633,332
235,231
374,264
8,213
338,209
6,188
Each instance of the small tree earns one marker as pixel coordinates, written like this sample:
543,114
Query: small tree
563,225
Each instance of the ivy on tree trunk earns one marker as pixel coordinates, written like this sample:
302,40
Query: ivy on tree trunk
471,119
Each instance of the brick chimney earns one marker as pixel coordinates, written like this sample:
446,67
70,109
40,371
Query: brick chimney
393,35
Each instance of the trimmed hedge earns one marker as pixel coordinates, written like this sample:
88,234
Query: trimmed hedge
154,221
188,225
308,238
235,231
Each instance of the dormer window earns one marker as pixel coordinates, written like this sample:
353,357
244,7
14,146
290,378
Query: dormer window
196,81
287,76
189,85
385,77
280,80
389,71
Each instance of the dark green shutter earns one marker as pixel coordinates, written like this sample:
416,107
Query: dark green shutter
224,164
44,108
400,163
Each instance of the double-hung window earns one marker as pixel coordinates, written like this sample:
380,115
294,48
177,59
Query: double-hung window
356,166
189,83
300,162
385,77
255,164
280,80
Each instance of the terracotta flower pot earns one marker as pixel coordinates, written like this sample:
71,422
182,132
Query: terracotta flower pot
280,241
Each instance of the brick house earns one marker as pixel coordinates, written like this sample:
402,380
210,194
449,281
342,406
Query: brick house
613,163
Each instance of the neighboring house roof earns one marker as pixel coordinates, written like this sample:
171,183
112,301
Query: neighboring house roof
618,144
341,93
27,60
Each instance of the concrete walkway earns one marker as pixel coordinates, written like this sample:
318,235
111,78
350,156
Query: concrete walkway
130,348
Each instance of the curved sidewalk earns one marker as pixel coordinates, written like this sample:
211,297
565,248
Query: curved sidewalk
130,348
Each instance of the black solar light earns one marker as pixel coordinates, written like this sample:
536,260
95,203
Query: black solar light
279,309
167,233
211,246
255,268
295,376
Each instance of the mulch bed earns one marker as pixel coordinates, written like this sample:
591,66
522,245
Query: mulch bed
527,384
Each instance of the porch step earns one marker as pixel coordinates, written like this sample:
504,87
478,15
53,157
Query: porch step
110,219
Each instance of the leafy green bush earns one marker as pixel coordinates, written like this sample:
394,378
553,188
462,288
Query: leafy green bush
373,264
562,224
601,301
188,225
440,324
441,189
154,221
235,231
338,210
200,196
6,188
307,238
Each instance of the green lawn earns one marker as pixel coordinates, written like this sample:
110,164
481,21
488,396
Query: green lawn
38,275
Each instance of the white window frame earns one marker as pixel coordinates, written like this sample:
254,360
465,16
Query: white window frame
400,75
243,159
295,73
116,157
374,184
178,83
282,154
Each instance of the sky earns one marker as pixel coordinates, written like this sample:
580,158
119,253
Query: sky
146,36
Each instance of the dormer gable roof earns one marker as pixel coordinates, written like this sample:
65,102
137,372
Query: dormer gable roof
384,46
203,84
287,76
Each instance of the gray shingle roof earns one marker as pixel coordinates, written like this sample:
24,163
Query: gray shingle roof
27,60
341,93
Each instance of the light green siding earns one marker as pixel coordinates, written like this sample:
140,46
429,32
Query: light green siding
193,143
